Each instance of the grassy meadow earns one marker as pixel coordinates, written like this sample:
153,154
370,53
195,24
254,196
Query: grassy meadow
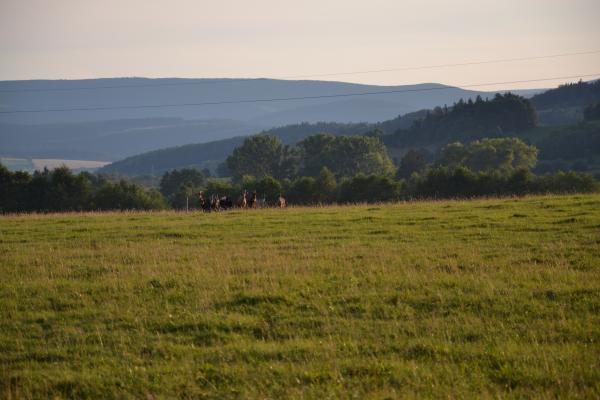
495,298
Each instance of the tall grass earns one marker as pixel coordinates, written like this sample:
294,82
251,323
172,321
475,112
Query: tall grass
484,298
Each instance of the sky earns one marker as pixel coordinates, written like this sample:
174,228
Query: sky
76,39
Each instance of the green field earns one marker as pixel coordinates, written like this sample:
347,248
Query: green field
453,299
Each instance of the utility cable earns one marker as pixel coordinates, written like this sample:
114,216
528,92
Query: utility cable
212,81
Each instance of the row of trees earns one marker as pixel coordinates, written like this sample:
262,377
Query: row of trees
61,190
502,155
326,169
323,188
434,182
443,182
321,169
347,156
579,94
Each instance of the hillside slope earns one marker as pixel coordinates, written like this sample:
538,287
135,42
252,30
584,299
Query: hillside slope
209,155
564,105
112,140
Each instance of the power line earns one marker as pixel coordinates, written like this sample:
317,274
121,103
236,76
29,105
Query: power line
450,65
235,80
324,96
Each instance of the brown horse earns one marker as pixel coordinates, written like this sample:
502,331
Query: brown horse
281,201
215,203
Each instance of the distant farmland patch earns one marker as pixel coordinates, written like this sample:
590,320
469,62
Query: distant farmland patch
25,164
17,164
40,163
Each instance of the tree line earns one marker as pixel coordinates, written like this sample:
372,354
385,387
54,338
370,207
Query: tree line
321,169
62,190
578,94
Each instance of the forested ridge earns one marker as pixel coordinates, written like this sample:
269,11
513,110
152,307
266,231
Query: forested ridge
565,105
579,94
500,115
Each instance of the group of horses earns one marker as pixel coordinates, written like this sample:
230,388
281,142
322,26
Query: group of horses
224,203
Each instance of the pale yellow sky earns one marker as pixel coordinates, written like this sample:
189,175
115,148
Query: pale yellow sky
73,39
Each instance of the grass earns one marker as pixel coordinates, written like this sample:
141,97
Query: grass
491,298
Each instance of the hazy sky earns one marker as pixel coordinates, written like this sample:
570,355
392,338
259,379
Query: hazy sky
72,39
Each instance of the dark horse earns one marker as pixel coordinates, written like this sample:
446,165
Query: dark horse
225,203
205,205
253,203
216,203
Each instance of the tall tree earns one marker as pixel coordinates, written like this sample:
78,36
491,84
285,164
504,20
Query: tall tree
345,156
497,154
413,161
327,186
270,188
172,181
260,156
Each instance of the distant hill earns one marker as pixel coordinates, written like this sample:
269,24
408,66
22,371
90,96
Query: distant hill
112,140
116,133
115,92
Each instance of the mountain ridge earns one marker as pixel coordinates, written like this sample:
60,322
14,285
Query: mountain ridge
40,135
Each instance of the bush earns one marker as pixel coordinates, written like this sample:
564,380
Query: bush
304,190
443,183
370,188
568,182
127,196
